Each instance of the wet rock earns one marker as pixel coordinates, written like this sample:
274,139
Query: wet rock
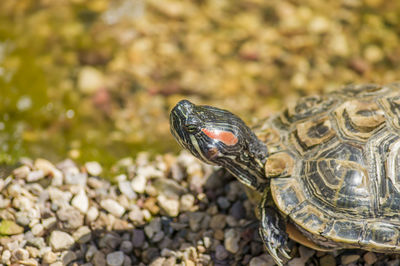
60,240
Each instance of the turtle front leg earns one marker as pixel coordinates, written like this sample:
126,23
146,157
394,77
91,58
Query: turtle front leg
273,231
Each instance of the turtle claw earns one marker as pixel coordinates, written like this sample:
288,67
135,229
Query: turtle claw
273,233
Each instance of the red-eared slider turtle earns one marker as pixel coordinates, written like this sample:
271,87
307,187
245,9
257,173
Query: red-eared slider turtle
329,165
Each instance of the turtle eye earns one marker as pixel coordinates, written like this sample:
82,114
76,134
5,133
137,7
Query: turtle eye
191,128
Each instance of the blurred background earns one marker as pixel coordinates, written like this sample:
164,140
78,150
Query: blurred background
95,79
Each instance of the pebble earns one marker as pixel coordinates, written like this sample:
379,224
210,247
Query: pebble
92,214
49,257
68,257
153,227
93,168
126,246
126,189
81,201
8,227
186,202
60,240
263,260
139,183
20,254
138,238
82,235
218,221
347,259
136,215
231,242
169,205
115,258
195,220
223,203
21,172
370,258
35,176
71,218
221,253
49,222
113,207
327,260
99,259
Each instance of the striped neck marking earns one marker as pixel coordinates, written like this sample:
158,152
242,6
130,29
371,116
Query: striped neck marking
226,137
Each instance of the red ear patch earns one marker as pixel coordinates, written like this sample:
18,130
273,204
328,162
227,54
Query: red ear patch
225,136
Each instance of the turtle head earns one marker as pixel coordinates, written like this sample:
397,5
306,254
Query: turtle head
218,137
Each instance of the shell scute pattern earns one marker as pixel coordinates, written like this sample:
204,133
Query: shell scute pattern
346,182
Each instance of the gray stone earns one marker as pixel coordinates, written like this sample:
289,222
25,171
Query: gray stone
138,238
68,257
60,240
223,203
111,240
82,235
70,217
221,253
115,258
99,259
153,227
126,247
195,219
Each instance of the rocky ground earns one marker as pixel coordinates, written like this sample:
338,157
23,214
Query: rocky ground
170,210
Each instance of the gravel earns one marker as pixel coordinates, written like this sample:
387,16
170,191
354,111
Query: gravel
101,223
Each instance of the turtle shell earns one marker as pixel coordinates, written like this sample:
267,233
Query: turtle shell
334,166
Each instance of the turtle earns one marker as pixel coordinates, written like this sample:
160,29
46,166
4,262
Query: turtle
325,171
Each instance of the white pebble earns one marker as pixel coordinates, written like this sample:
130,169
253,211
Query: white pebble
113,207
81,201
